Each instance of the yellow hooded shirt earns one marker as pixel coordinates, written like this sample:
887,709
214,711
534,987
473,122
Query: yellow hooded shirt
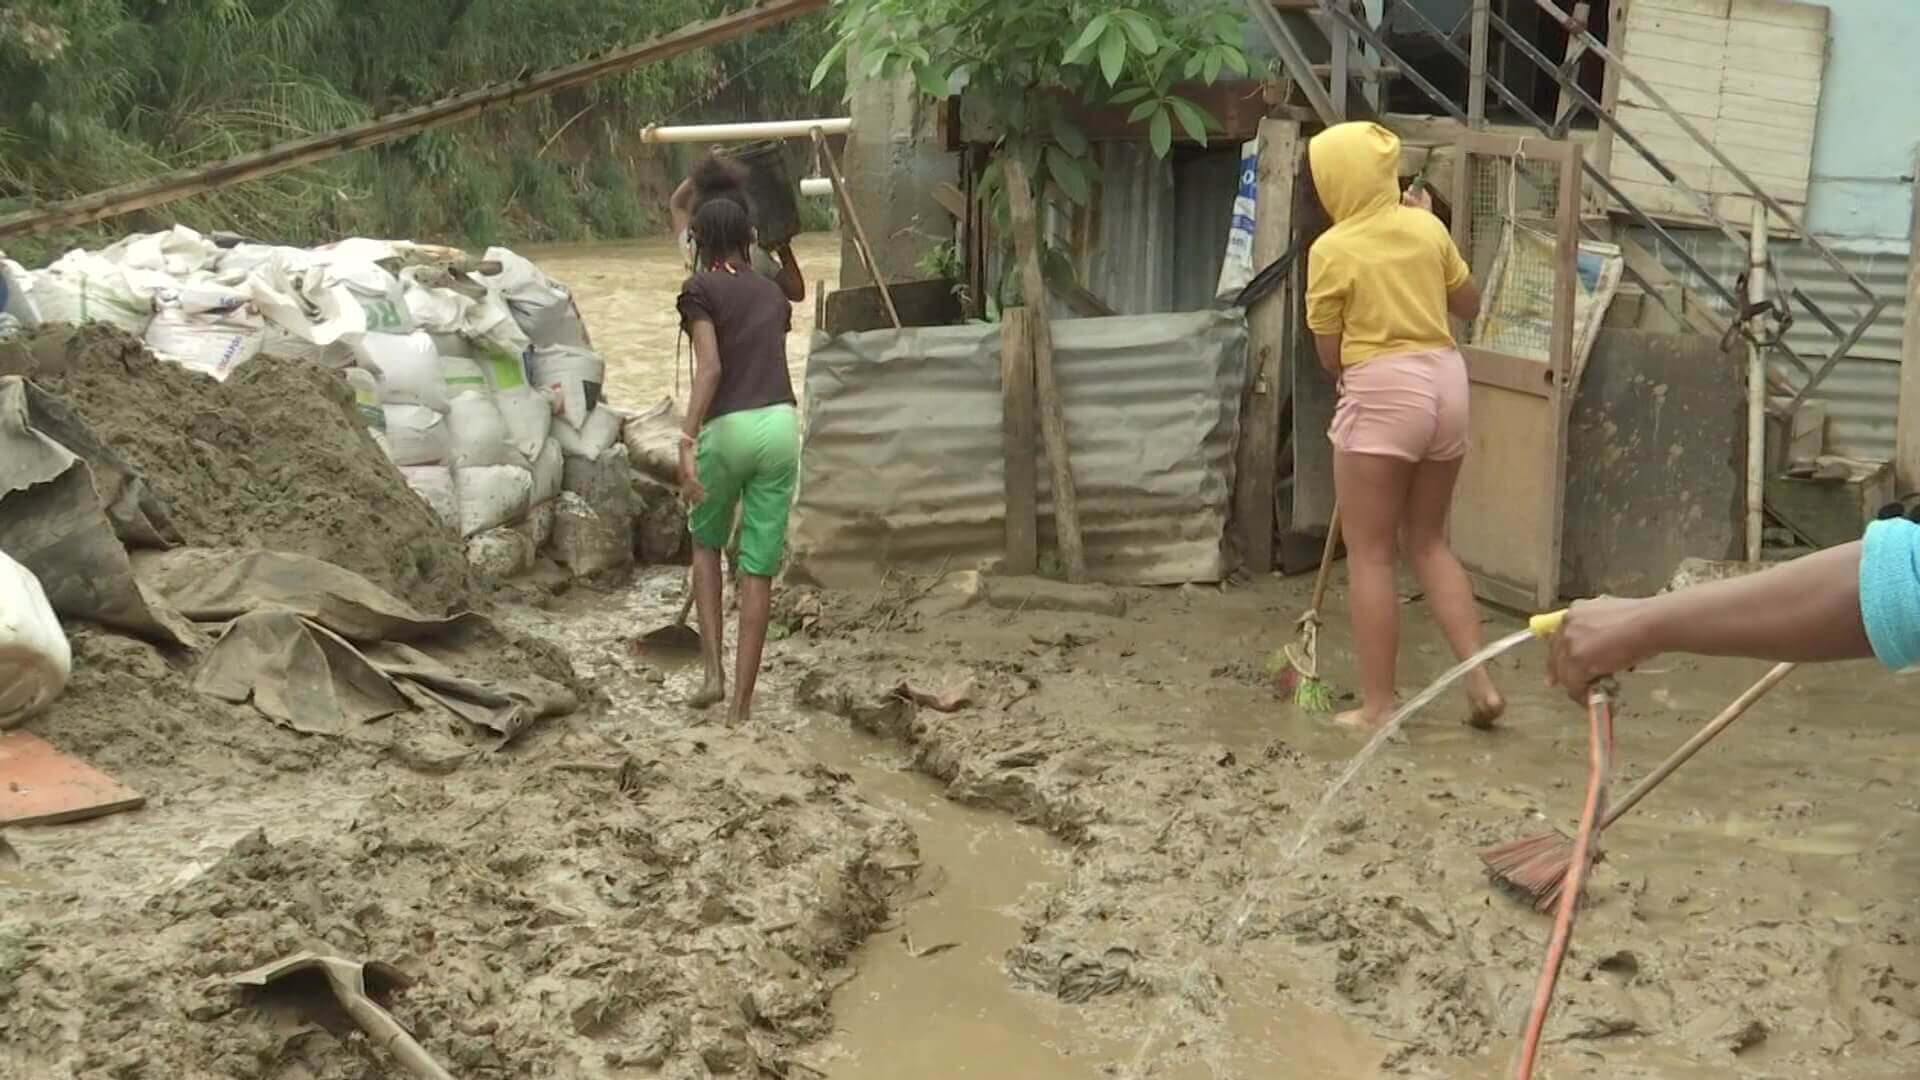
1380,276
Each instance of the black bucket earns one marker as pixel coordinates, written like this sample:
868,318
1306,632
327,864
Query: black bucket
772,193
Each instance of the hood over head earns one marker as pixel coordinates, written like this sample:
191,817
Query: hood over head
1356,169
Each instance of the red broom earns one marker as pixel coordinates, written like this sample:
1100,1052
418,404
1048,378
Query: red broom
1537,865
1599,772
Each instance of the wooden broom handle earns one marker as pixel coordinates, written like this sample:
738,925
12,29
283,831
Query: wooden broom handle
1692,746
1326,559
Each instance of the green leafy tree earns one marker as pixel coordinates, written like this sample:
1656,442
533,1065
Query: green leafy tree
1024,63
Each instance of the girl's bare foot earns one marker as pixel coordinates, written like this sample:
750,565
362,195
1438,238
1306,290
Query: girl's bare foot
741,716
712,692
1485,706
1363,719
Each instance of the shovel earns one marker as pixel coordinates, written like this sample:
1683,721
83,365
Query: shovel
676,636
348,981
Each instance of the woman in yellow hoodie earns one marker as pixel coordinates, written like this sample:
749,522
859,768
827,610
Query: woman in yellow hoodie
1381,283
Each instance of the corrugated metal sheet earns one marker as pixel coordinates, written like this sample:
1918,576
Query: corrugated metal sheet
1130,265
903,465
1862,394
1204,187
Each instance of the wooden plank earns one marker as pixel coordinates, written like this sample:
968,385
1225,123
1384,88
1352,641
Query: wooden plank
1269,332
1477,57
852,219
39,785
1504,489
1712,9
1534,146
1019,439
1609,102
1053,417
1907,429
1519,374
930,302
145,194
1783,13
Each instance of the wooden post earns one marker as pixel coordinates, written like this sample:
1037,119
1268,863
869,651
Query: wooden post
1269,333
1342,56
1477,65
852,221
1017,437
1053,417
1756,390
1907,428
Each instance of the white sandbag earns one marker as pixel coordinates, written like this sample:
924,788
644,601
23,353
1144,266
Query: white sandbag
378,293
454,345
235,263
583,542
35,659
543,308
359,249
304,299
435,310
490,325
503,553
477,435
366,398
179,252
528,412
416,435
83,287
20,301
434,483
549,472
570,376
652,439
491,496
461,375
591,439
1236,267
285,345
206,327
409,368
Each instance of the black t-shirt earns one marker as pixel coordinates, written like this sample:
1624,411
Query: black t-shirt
750,317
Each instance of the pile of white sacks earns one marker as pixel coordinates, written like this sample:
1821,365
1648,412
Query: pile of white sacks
482,387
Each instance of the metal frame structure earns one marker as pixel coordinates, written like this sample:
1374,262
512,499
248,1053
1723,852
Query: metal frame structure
1338,21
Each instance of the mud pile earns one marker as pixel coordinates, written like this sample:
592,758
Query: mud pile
276,457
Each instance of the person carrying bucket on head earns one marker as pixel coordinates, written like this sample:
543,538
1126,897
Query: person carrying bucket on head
1381,283
717,176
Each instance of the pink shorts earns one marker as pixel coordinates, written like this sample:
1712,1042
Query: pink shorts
1411,406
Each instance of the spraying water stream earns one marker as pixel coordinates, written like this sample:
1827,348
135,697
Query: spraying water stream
1258,888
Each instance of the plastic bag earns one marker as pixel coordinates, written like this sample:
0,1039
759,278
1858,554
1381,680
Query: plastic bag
1236,266
35,659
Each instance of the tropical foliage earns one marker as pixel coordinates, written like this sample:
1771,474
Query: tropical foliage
95,93
1023,64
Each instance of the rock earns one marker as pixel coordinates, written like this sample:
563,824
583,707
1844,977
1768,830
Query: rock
660,525
1040,594
955,592
584,542
603,483
499,554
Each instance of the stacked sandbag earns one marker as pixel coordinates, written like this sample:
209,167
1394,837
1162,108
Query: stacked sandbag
543,308
206,326
83,287
20,299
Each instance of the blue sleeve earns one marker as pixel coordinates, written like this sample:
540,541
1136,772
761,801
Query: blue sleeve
1890,591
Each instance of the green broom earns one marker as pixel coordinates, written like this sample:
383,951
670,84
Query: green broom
1299,662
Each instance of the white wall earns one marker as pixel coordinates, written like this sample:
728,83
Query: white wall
1869,124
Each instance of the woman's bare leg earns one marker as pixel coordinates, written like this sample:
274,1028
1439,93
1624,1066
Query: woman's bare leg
713,627
1372,490
1449,592
756,605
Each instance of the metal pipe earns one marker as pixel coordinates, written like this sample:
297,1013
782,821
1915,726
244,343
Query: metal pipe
817,186
763,129
1756,389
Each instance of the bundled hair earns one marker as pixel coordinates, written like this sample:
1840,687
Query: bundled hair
717,176
722,229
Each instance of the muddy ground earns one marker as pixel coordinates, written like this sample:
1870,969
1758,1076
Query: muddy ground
1084,870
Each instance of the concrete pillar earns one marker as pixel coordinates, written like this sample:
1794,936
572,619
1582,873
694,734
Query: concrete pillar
893,160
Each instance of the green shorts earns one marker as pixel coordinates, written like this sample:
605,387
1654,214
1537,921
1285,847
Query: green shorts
748,459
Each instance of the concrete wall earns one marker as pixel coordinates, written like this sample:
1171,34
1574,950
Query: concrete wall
1869,126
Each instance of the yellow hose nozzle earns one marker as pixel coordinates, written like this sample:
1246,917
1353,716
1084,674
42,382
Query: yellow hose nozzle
1545,626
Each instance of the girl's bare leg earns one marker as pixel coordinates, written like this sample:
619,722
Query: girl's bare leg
713,627
1372,489
756,604
1449,592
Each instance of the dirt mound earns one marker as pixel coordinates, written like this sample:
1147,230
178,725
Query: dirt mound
276,457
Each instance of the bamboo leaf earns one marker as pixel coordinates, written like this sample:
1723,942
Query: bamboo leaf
1092,34
1070,174
1160,133
1143,110
1140,31
1193,118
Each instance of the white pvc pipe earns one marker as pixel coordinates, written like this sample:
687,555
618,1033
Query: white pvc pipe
767,129
816,186
1756,391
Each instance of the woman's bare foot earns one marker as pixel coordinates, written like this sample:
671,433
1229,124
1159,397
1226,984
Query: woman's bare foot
740,716
1485,706
712,692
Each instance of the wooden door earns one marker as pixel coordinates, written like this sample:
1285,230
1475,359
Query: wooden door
1516,220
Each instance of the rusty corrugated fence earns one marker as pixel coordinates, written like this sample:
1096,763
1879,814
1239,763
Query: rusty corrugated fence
903,466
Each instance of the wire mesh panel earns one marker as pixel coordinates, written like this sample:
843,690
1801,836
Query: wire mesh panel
1514,253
